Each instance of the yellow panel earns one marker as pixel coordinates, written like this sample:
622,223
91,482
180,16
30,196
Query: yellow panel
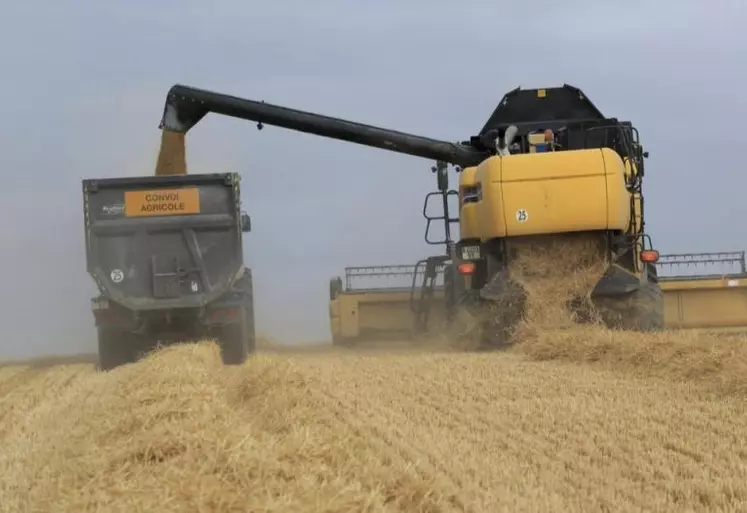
536,138
162,202
467,177
386,313
349,326
334,318
704,284
552,193
541,93
619,210
694,308
491,222
334,308
468,228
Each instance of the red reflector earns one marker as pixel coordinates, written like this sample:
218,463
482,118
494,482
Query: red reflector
466,268
649,256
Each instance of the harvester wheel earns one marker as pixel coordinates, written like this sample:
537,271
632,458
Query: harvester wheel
115,348
642,310
233,340
502,304
484,324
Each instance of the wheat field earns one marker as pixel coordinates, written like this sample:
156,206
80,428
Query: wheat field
571,418
379,430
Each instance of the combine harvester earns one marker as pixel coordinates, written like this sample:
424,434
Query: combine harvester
546,166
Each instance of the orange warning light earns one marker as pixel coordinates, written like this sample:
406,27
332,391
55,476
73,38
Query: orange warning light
466,268
649,256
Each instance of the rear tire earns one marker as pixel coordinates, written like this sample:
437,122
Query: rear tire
642,310
233,340
115,348
251,331
502,304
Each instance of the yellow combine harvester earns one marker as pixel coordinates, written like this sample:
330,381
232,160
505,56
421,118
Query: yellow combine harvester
709,300
559,174
547,166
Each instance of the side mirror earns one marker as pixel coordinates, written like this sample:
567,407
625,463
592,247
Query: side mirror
246,222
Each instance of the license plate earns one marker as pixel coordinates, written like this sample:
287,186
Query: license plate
470,252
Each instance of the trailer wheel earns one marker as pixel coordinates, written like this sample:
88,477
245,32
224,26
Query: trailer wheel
251,332
115,348
233,340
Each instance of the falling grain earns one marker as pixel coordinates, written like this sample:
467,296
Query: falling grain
172,158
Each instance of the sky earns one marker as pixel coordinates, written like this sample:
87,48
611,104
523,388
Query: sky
83,85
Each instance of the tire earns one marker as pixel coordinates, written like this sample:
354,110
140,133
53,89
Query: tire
115,348
501,304
233,340
251,331
246,286
643,310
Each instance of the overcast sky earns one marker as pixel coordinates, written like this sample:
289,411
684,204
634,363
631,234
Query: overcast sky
83,83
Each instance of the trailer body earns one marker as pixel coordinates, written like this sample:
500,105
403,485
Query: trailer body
166,254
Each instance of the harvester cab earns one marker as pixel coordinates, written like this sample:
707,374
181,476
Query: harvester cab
547,174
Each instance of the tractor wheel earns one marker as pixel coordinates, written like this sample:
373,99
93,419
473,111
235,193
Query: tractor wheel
233,340
115,348
251,331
